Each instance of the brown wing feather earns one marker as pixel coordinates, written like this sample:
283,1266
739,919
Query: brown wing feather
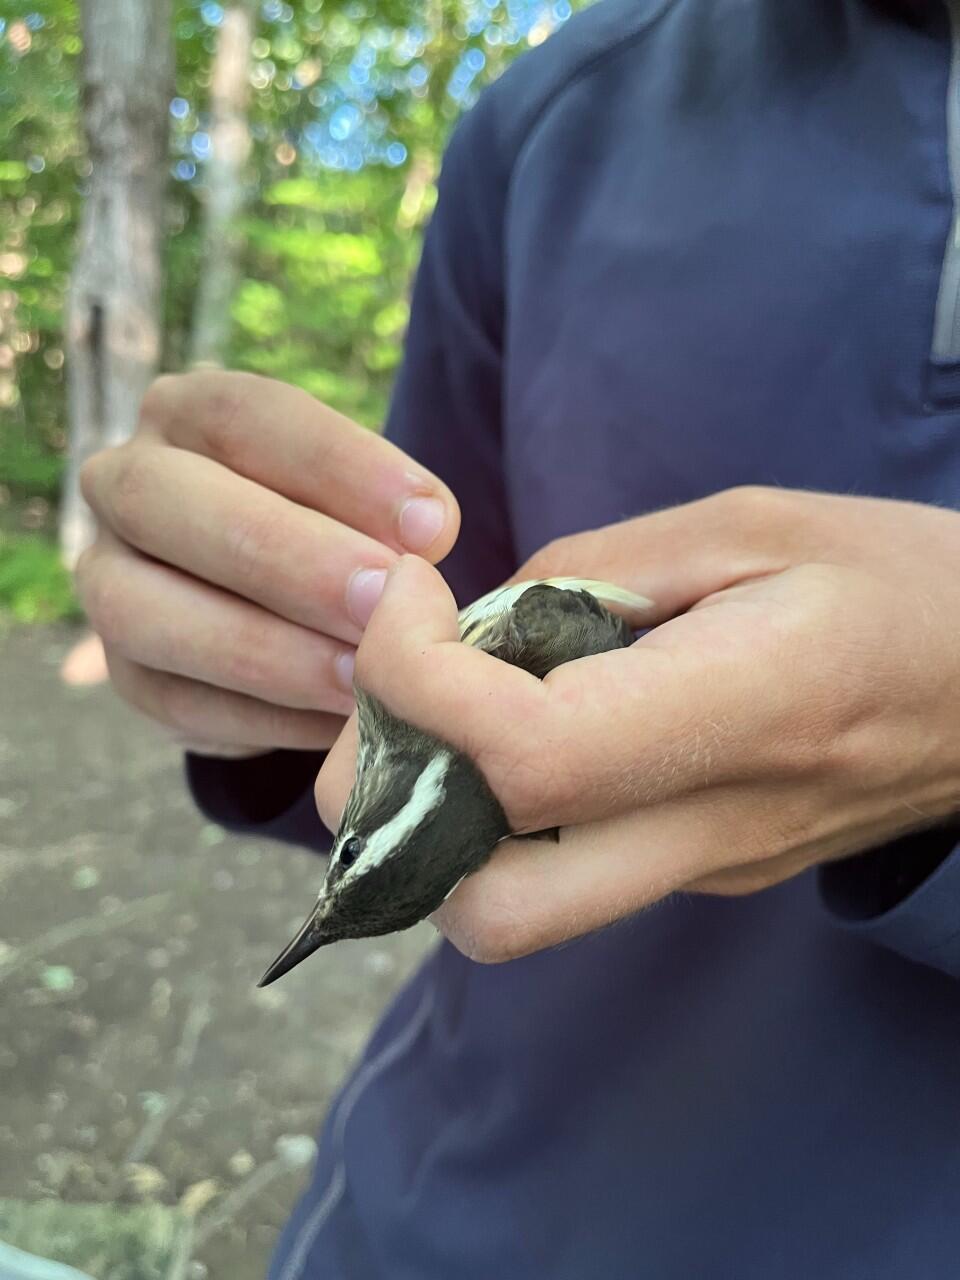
548,626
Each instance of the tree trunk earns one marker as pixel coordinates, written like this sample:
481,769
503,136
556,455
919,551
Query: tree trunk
226,191
113,306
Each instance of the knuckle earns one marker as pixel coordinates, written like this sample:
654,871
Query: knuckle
158,400
123,678
246,668
251,664
199,409
379,674
820,596
757,504
253,541
84,567
132,683
223,397
326,801
487,948
101,596
550,560
91,473
130,484
173,706
336,779
817,593
524,781
489,931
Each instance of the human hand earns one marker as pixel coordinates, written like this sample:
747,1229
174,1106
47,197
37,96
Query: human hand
798,703
244,532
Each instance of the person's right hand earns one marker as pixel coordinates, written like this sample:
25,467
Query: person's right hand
244,532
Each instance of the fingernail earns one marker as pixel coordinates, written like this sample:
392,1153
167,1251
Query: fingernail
343,665
421,520
363,591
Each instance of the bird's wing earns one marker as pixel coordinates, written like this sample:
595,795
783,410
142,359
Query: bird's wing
477,619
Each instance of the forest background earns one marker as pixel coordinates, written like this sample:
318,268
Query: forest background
295,147
182,182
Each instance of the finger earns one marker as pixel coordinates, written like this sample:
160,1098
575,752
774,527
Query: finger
412,660
417,610
679,555
337,774
414,636
196,515
416,618
282,438
733,840
160,618
536,894
522,739
199,713
600,735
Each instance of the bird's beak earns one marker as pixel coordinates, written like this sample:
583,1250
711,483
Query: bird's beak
312,936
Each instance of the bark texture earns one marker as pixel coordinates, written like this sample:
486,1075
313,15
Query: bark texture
113,308
226,188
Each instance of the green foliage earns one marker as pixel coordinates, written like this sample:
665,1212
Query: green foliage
34,586
43,164
351,105
324,264
28,465
132,1243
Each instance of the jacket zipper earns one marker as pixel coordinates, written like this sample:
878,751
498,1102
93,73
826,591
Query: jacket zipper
946,324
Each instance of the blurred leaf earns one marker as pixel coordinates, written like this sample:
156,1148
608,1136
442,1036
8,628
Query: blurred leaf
198,1195
145,1180
124,1243
259,309
34,586
27,465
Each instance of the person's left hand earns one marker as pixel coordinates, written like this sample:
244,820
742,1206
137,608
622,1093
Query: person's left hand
800,702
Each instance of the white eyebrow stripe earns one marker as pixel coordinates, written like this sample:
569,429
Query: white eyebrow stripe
370,766
426,796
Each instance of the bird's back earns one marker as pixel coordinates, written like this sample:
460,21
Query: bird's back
546,626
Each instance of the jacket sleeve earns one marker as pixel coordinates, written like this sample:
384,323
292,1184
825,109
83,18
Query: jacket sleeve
905,896
445,412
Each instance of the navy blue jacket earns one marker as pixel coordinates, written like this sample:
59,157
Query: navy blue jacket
684,245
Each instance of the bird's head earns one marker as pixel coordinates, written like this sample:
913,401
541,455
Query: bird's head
420,816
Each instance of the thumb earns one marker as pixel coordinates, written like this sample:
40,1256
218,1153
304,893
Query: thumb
411,659
401,654
416,610
682,554
336,775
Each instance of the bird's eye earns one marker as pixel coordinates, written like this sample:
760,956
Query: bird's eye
349,851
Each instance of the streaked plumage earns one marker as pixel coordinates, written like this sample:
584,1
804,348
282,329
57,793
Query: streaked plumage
420,815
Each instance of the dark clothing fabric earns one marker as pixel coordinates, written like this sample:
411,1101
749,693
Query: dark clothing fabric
685,245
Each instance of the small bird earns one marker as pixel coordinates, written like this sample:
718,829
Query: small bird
420,815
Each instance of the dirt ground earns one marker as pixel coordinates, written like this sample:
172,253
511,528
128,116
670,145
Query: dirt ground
139,1063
